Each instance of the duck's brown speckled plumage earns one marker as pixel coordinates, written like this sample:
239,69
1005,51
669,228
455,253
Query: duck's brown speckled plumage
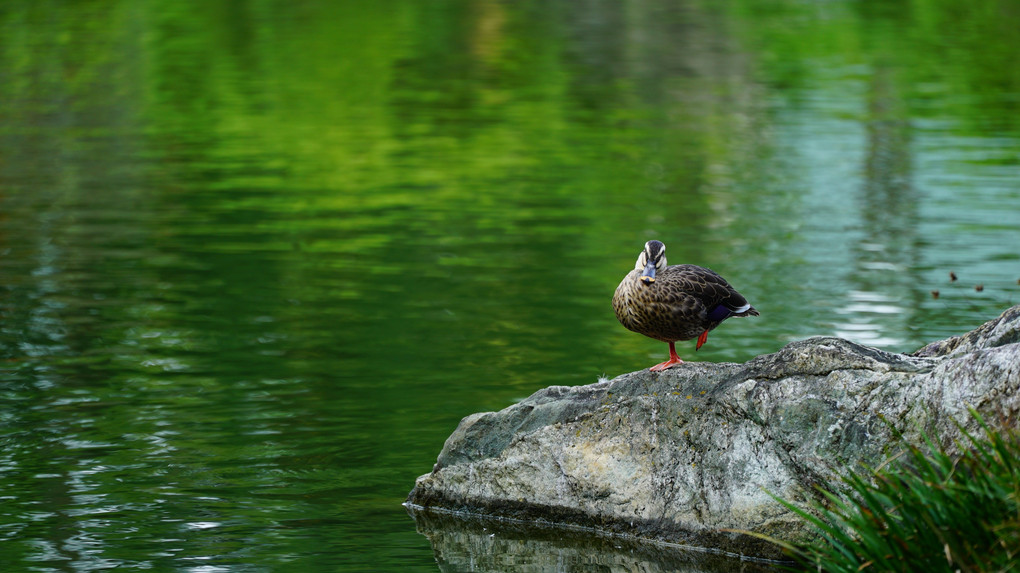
673,303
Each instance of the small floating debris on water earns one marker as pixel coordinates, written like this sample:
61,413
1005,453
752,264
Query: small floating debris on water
934,294
952,276
979,288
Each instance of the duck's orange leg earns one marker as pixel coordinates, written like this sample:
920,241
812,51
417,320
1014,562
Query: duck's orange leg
701,340
674,359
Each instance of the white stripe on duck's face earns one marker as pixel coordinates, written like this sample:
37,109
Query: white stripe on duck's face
651,259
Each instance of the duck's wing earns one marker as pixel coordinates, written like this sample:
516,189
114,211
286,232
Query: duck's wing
710,289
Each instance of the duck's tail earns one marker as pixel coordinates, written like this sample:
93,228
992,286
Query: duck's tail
746,310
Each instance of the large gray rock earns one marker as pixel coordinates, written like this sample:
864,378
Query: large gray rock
687,454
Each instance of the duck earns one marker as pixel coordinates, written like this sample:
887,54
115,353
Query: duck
672,303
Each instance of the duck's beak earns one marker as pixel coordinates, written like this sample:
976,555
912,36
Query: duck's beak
648,277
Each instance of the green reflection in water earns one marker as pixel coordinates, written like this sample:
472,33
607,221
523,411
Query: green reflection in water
259,258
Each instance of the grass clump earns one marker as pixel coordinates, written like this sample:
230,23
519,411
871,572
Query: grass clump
926,511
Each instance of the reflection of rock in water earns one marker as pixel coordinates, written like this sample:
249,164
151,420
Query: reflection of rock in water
467,543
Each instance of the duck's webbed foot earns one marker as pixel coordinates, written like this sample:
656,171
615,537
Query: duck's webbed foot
674,359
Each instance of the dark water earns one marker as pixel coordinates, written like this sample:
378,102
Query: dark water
257,259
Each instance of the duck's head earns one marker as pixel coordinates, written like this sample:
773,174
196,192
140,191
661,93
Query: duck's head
652,259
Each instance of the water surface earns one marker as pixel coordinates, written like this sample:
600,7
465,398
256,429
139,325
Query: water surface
259,258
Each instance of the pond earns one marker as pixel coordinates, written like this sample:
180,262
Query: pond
258,258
